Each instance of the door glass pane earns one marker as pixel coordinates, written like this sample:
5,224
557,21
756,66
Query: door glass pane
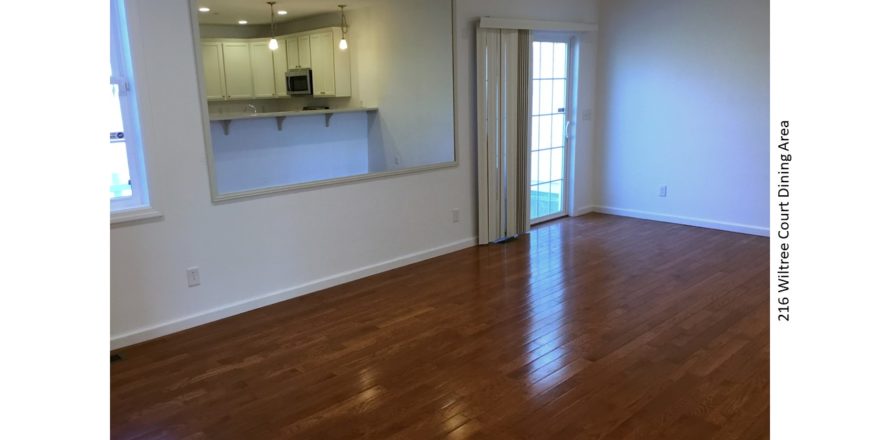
545,140
558,103
536,133
554,197
556,167
546,106
544,165
546,60
557,127
559,60
533,201
536,158
536,59
536,98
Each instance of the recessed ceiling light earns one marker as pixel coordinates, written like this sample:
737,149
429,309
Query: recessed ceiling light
242,21
204,9
282,12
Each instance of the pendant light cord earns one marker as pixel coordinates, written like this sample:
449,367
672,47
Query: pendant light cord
272,18
344,24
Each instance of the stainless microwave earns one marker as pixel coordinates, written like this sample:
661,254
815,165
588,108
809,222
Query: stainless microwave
299,82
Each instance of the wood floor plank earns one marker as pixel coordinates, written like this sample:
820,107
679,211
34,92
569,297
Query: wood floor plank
592,327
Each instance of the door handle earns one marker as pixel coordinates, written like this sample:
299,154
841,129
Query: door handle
568,129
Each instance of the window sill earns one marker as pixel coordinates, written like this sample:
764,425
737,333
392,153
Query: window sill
133,214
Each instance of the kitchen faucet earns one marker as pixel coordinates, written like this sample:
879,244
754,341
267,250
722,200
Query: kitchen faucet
252,107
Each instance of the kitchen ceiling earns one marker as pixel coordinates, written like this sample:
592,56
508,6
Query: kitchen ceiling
257,11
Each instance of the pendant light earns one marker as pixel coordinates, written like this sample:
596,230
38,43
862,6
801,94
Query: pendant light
273,43
343,44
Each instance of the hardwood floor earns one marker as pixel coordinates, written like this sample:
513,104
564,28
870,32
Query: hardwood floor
589,327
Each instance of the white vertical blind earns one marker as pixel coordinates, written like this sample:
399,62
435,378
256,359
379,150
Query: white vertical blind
501,127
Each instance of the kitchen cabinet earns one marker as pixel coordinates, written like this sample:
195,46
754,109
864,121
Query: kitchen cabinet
237,68
262,69
299,53
212,66
331,66
247,69
279,63
323,80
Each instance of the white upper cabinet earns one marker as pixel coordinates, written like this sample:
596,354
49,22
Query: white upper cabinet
341,65
237,67
298,52
305,51
331,66
247,69
279,62
323,80
291,50
262,69
212,66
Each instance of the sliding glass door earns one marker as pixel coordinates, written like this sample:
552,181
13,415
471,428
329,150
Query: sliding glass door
549,124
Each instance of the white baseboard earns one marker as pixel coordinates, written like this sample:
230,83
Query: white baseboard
225,311
690,221
583,210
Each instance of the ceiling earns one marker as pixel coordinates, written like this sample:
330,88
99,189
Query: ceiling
256,12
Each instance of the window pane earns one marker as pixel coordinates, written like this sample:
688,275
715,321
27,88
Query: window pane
120,185
115,110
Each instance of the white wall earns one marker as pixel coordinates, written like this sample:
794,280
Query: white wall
684,98
402,53
256,155
261,250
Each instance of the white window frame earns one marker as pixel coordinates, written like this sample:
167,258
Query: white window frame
137,206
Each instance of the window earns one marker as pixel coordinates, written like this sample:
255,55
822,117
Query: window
128,189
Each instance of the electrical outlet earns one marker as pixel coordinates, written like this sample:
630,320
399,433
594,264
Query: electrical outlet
663,191
455,215
192,277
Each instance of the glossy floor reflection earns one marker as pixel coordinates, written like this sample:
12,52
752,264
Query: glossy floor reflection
589,327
